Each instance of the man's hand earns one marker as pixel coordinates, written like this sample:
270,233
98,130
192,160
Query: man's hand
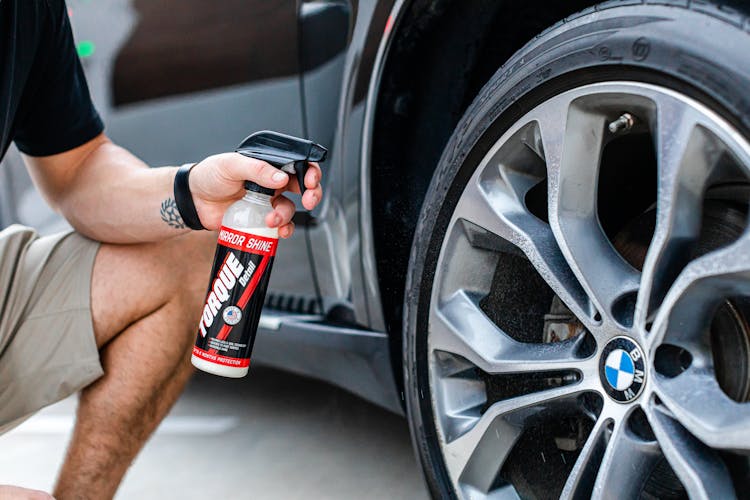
218,181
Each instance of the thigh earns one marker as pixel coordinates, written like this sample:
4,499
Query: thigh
130,282
47,345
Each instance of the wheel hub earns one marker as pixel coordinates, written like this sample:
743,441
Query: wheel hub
622,369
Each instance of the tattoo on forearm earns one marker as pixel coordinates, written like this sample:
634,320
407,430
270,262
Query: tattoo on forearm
171,215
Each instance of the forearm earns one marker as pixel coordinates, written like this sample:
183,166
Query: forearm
109,195
115,198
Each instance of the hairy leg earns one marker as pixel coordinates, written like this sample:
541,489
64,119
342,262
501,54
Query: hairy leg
146,301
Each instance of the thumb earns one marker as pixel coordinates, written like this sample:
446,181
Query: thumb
241,168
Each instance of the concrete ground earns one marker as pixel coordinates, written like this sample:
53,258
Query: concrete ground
270,435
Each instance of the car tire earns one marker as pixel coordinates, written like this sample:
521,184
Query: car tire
658,52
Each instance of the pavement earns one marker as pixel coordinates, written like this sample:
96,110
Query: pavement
269,435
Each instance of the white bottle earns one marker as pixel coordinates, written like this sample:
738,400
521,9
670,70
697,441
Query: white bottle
244,257
242,267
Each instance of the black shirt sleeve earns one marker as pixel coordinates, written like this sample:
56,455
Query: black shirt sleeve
56,113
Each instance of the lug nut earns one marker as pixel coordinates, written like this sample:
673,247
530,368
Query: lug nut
622,124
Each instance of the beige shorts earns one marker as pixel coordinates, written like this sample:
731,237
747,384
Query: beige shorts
47,345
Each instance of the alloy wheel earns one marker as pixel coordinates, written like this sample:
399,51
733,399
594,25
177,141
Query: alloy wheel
587,343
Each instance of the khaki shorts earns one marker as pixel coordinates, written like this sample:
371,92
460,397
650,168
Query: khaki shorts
47,345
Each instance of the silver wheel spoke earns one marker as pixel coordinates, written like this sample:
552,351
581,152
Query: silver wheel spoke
698,289
684,166
492,204
460,327
698,404
627,463
581,480
701,472
573,144
477,455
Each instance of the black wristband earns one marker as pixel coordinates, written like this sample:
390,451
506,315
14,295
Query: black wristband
184,199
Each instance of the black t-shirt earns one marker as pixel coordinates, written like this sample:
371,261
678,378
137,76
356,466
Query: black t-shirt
45,105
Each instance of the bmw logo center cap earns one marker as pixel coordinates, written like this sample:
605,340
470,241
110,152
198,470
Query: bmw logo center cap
622,369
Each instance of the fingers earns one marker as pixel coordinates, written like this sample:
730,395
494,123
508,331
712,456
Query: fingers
286,231
220,179
312,197
314,192
313,176
282,213
281,217
240,168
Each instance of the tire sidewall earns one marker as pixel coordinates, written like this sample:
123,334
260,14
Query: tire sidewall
700,51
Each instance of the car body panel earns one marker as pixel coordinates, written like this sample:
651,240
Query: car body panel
354,283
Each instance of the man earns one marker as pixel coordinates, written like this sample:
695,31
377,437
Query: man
117,318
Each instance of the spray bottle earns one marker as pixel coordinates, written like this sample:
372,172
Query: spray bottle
244,257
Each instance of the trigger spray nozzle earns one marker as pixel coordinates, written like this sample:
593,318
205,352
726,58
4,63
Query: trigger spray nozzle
287,153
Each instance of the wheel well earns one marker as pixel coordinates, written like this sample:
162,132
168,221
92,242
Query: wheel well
442,54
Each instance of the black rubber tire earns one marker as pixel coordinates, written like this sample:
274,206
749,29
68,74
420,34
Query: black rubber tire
699,48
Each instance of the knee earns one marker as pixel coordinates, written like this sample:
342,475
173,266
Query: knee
133,282
195,253
190,259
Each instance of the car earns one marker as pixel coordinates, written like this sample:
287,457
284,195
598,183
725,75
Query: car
534,236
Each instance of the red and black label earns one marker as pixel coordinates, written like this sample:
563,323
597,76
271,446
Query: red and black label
242,267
